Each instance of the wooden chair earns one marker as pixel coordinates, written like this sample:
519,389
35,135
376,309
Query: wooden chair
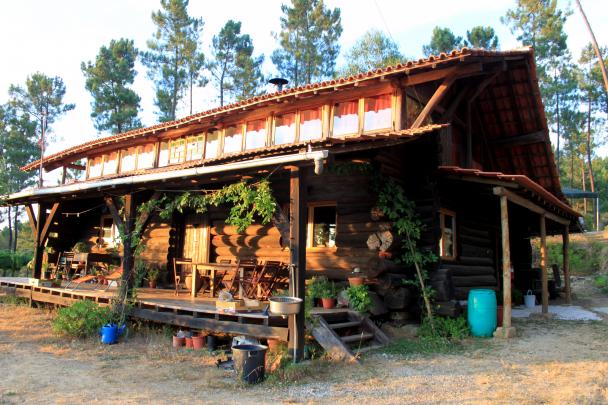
265,280
180,275
115,276
64,264
251,269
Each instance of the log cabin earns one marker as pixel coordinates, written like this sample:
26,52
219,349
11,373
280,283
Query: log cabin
464,133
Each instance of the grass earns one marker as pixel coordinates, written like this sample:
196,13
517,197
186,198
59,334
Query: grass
586,257
13,300
423,346
601,282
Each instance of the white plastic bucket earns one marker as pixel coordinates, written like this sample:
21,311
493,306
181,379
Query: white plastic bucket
529,299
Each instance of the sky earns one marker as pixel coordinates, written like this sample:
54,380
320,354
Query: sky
54,37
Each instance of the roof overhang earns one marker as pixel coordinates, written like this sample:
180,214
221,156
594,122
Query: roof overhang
24,195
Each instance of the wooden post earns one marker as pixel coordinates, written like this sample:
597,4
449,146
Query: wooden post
469,154
129,222
506,262
297,238
566,263
38,246
543,265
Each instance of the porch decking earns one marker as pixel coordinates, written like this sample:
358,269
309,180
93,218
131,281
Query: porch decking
160,306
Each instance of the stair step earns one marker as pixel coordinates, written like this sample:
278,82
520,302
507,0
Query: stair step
368,348
357,337
344,324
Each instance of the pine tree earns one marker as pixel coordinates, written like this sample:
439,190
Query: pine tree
115,105
42,98
482,37
173,56
442,40
309,41
371,51
233,69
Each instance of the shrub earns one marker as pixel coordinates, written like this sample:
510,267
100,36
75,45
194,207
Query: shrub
9,261
81,319
601,282
445,328
358,298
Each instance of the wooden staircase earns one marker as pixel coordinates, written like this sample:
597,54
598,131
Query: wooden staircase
344,333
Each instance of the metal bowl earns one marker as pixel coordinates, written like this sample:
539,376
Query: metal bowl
285,305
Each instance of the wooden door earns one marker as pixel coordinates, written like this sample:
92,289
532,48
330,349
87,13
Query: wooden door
196,238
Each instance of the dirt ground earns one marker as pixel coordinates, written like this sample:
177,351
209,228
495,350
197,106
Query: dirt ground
549,362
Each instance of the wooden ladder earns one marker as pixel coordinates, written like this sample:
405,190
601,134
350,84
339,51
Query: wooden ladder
344,334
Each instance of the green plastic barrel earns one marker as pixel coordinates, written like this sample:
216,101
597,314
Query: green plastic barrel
481,312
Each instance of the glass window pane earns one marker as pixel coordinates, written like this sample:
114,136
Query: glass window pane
95,167
127,163
285,129
255,137
233,139
194,149
324,227
213,142
145,159
346,118
177,151
377,113
110,164
163,154
447,236
310,125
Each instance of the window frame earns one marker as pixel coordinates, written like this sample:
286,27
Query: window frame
442,218
310,225
113,231
359,102
390,108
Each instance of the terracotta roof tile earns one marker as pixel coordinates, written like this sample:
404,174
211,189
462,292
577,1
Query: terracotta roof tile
399,67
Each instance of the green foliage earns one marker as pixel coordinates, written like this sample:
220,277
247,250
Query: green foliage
422,346
371,51
482,37
585,258
115,105
309,41
81,319
315,287
9,261
601,282
358,298
445,328
442,40
233,68
247,201
153,273
173,56
329,290
81,247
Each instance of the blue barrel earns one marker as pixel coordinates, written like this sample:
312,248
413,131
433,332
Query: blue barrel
481,312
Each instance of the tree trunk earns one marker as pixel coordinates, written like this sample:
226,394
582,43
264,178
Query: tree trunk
584,182
589,145
596,48
558,134
16,230
10,230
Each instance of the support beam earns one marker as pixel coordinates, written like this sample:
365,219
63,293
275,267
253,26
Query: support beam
439,74
506,330
142,220
434,100
111,204
543,265
534,137
516,199
38,247
47,224
566,264
30,214
129,225
297,235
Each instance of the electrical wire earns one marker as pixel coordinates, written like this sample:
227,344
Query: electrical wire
383,20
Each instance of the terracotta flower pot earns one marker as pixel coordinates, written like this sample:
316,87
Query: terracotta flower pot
273,344
356,280
178,341
199,282
189,344
152,283
198,342
328,303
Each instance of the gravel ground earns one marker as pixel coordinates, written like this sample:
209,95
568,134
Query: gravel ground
551,361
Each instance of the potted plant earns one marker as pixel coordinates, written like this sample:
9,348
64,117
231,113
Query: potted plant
81,247
152,275
358,298
356,277
315,287
328,295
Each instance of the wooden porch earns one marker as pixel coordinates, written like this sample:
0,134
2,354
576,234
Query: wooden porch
159,305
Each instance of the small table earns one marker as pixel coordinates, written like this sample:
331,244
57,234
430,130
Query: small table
209,269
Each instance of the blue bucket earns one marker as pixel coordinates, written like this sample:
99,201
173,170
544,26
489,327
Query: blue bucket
481,312
110,333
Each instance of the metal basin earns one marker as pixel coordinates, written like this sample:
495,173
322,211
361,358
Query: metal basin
285,305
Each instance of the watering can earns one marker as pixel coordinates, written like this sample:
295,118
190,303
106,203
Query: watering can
111,332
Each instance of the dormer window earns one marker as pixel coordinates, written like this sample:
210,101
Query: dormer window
145,156
195,147
95,166
346,118
177,151
128,159
310,125
377,113
212,144
255,137
110,164
233,139
285,129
